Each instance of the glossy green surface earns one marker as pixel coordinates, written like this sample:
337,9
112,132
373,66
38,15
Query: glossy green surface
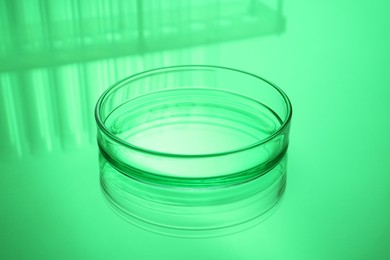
332,59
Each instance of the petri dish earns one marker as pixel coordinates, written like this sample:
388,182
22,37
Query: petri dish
193,150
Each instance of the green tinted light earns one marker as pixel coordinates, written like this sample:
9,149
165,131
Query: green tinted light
193,150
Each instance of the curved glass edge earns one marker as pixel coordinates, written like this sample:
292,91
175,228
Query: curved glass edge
108,134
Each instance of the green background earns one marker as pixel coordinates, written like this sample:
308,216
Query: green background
332,58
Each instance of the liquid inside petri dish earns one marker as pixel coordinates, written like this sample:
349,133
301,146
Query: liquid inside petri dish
192,121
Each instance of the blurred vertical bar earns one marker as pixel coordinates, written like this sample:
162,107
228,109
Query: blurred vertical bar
69,108
153,59
10,137
281,21
180,11
40,85
63,33
6,47
141,31
17,21
36,109
132,20
83,90
31,83
11,123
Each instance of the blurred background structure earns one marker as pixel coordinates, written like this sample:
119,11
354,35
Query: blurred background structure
57,57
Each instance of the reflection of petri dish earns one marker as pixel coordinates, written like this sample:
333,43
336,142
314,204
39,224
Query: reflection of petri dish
193,150
189,212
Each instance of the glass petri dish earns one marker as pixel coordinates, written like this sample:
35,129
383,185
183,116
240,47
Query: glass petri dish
193,150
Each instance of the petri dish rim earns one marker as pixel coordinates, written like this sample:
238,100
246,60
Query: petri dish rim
161,70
